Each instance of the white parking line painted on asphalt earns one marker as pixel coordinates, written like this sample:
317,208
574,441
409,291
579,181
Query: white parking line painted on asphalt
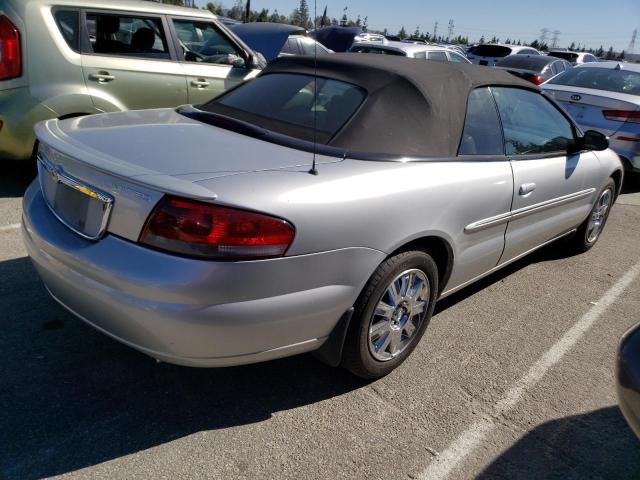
6,228
441,466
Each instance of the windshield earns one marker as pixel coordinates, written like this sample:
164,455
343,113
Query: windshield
609,79
285,103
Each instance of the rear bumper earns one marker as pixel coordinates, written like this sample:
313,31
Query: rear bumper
195,312
19,112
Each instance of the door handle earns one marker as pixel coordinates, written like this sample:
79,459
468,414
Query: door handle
101,77
526,189
199,83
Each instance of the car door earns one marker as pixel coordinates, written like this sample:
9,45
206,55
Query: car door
127,61
553,190
486,195
211,61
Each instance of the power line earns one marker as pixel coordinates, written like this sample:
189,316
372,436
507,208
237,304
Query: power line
435,30
450,31
556,36
544,33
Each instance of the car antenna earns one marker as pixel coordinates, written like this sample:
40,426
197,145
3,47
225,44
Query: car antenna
313,170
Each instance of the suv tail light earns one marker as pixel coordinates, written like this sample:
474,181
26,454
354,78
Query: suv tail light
200,229
10,55
629,116
536,79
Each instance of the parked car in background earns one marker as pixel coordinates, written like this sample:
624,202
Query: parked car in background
491,53
533,68
605,97
273,221
276,39
628,377
67,58
410,50
336,38
574,58
369,37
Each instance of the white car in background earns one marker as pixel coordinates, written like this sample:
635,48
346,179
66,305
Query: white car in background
574,58
410,50
492,53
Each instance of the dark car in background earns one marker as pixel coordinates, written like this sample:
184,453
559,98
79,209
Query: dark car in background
536,69
628,377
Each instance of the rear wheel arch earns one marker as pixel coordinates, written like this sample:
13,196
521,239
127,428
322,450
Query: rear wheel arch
617,179
440,250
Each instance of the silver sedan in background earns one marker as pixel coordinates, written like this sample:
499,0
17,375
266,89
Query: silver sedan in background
605,97
325,206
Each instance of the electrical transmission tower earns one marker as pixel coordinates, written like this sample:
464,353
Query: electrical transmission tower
435,30
632,43
450,31
556,37
544,34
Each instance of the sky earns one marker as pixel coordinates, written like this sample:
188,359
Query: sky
590,22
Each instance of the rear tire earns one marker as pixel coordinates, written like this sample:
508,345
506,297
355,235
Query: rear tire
589,232
391,314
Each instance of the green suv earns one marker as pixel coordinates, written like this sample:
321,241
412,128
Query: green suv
67,58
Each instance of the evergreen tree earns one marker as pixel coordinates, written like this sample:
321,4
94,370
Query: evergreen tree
365,24
263,16
402,33
214,8
237,11
482,40
416,34
600,52
300,15
610,53
572,47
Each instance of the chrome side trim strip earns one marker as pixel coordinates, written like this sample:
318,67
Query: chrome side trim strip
525,211
45,167
504,264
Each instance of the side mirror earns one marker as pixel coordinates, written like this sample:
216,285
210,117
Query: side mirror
593,140
239,63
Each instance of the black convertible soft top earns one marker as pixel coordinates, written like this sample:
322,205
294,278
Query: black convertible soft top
414,108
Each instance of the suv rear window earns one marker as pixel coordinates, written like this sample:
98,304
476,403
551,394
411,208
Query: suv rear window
68,22
285,103
536,62
568,56
609,79
491,51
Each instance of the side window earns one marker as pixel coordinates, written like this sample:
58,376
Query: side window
202,42
127,35
482,134
556,68
437,56
420,55
68,22
455,58
309,48
531,123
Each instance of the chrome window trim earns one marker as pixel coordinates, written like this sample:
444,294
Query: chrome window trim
45,167
526,211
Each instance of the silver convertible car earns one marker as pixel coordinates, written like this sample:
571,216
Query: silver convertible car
323,206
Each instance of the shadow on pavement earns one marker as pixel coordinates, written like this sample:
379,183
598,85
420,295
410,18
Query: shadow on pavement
631,183
71,397
597,444
14,179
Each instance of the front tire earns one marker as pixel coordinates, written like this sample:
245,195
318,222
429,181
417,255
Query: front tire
589,232
391,314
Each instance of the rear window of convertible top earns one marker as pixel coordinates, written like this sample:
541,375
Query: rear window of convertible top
292,104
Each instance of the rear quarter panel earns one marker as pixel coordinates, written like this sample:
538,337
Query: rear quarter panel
383,206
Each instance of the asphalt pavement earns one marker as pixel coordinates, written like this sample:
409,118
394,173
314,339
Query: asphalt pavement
514,379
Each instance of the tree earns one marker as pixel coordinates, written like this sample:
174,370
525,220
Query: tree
600,52
482,40
365,24
621,57
416,34
237,11
300,15
610,54
263,16
402,33
535,44
180,3
215,8
572,47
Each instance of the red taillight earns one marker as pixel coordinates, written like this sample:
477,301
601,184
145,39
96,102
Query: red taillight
536,79
203,230
10,55
629,116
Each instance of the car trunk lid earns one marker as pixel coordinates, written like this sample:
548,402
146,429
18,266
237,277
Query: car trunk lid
587,106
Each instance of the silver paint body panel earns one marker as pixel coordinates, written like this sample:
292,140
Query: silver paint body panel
348,219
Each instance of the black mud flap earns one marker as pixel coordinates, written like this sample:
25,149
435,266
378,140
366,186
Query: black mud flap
331,351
